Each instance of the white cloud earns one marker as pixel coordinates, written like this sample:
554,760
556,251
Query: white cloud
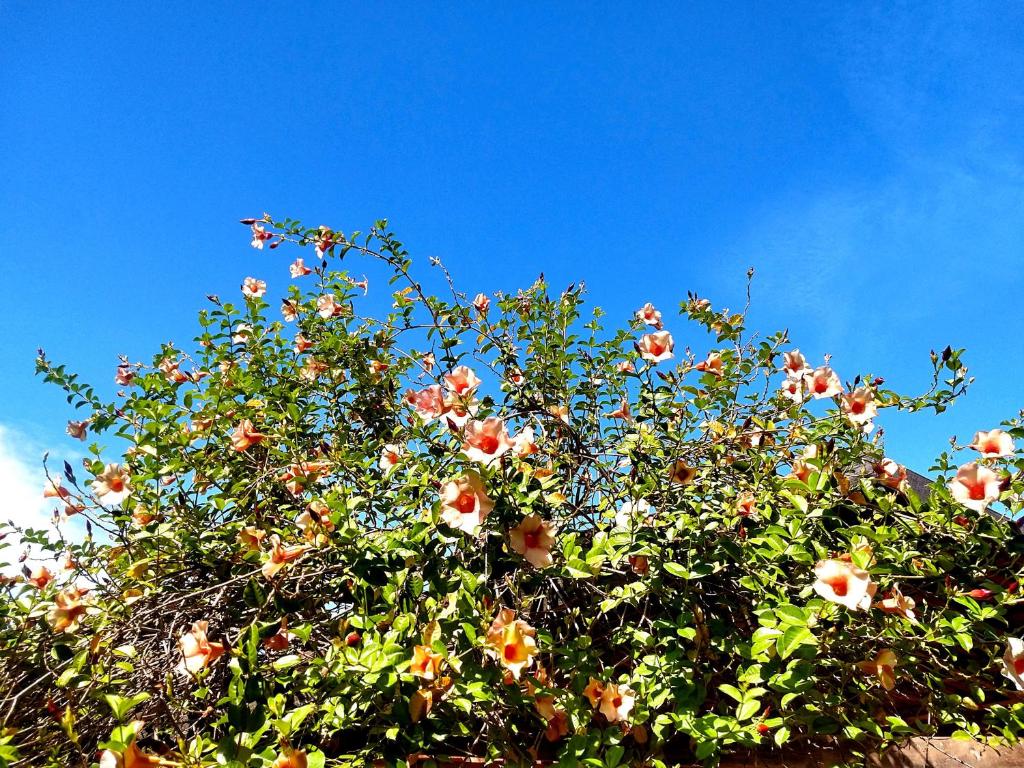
21,484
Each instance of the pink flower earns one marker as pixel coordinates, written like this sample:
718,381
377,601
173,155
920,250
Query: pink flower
299,269
40,577
53,489
253,288
428,403
993,444
975,486
823,382
78,429
465,503
327,307
124,375
649,315
462,381
841,582
245,436
112,484
656,347
625,366
533,539
511,642
859,407
259,235
486,441
482,303
289,310
793,390
323,241
524,443
299,476
795,364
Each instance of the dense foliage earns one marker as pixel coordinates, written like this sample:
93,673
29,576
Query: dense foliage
490,526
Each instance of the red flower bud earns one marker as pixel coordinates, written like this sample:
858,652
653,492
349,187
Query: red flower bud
762,728
980,594
352,638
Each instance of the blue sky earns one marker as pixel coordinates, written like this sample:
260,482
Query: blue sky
865,158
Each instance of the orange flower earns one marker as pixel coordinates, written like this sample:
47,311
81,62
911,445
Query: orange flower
289,310
899,604
656,347
259,234
975,486
291,758
682,473
124,375
253,288
841,582
795,364
298,268
302,344
617,702
462,381
67,610
712,365
993,444
622,412
465,503
317,517
639,564
593,692
890,474
54,490
280,556
510,641
142,516
250,538
859,407
486,441
112,484
197,651
428,403
823,382
649,315
745,504
40,577
533,539
625,366
245,436
133,757
301,475
882,665
425,663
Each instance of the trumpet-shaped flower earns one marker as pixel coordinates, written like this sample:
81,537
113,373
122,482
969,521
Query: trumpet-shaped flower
253,288
712,364
823,382
656,347
884,666
617,702
428,403
68,609
533,539
486,441
649,315
841,582
425,663
993,444
112,485
245,436
197,651
511,642
890,474
794,364
280,556
975,486
859,407
298,268
465,503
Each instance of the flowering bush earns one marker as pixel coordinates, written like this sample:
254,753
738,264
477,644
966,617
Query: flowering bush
493,527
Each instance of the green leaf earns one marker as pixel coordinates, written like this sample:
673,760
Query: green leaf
792,638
